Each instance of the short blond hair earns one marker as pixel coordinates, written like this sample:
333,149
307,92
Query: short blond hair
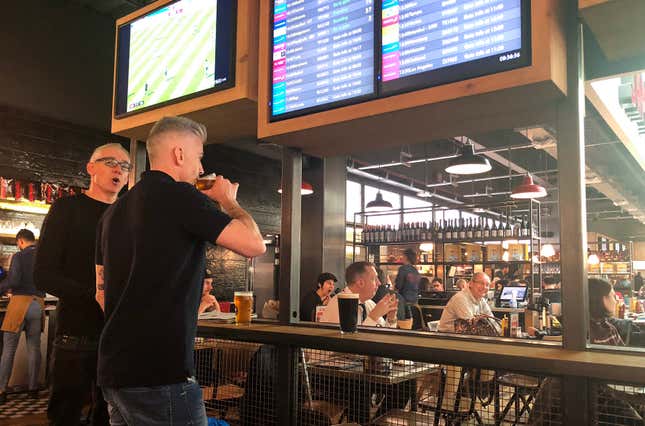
173,124
98,150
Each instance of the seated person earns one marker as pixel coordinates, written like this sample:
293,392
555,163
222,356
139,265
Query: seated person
209,302
461,284
424,285
468,304
437,285
604,328
319,296
362,279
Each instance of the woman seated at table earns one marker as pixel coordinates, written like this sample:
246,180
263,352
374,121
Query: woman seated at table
604,328
209,302
611,407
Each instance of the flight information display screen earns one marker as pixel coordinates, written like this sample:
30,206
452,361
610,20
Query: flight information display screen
323,55
432,42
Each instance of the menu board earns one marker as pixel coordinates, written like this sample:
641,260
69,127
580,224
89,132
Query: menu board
323,54
431,42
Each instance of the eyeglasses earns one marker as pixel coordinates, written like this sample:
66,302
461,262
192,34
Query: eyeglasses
112,163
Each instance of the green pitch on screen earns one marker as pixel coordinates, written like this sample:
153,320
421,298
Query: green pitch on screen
172,53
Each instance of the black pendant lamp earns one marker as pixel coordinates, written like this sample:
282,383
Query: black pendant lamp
468,163
378,204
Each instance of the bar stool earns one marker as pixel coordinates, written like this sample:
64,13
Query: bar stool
525,388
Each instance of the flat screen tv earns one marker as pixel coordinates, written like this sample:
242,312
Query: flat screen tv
323,55
183,49
428,43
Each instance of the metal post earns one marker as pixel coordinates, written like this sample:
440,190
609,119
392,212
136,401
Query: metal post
286,385
289,288
576,398
138,161
571,182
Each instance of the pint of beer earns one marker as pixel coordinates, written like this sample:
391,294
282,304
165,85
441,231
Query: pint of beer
348,312
243,301
205,182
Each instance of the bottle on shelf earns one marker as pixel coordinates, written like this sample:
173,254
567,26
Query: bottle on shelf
486,230
462,229
493,231
469,230
439,231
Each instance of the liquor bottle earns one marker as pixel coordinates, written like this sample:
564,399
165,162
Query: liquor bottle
439,231
508,231
493,231
469,229
478,229
486,230
449,232
462,229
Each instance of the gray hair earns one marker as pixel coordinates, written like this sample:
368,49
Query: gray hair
173,124
98,150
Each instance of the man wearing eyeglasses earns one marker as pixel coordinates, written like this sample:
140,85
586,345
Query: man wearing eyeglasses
65,268
469,303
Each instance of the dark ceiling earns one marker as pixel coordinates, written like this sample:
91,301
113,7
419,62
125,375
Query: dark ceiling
605,155
113,8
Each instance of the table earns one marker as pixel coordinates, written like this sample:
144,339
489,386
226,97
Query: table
344,379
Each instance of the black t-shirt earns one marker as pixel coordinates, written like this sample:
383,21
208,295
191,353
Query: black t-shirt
151,243
65,264
308,305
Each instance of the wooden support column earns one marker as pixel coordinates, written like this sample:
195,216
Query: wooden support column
138,161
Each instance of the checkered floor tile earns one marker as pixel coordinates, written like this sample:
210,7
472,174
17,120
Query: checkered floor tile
20,405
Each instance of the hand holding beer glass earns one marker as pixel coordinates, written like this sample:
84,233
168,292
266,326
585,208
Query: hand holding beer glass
205,182
243,301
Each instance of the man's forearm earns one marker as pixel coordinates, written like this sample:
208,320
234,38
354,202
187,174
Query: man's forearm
235,211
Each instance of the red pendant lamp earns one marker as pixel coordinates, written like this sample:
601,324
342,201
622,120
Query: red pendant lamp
528,189
305,189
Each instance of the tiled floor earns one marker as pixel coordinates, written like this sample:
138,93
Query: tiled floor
24,411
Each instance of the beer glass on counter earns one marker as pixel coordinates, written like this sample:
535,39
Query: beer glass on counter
205,182
348,312
243,301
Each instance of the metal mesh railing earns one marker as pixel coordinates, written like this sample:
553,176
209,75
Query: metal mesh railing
618,404
236,380
350,388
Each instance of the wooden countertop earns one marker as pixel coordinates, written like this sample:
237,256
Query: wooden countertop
547,358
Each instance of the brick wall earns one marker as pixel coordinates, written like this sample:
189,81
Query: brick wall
259,179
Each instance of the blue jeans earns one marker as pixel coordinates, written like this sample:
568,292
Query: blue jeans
167,405
32,326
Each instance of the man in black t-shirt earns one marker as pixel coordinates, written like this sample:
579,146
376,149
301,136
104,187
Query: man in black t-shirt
150,258
65,268
320,296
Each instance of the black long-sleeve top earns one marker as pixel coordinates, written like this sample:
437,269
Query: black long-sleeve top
21,274
65,264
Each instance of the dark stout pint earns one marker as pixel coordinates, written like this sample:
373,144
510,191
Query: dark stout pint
348,312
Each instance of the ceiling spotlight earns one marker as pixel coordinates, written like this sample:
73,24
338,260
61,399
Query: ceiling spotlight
468,163
528,189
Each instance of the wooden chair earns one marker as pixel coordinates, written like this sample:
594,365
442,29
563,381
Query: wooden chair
418,320
317,412
453,407
525,388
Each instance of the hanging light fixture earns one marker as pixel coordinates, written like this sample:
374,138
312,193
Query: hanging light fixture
593,259
305,189
378,204
528,189
467,162
547,250
426,246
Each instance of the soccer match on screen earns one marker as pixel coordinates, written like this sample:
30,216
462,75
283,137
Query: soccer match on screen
172,53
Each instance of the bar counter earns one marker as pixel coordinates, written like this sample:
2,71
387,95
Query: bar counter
487,352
